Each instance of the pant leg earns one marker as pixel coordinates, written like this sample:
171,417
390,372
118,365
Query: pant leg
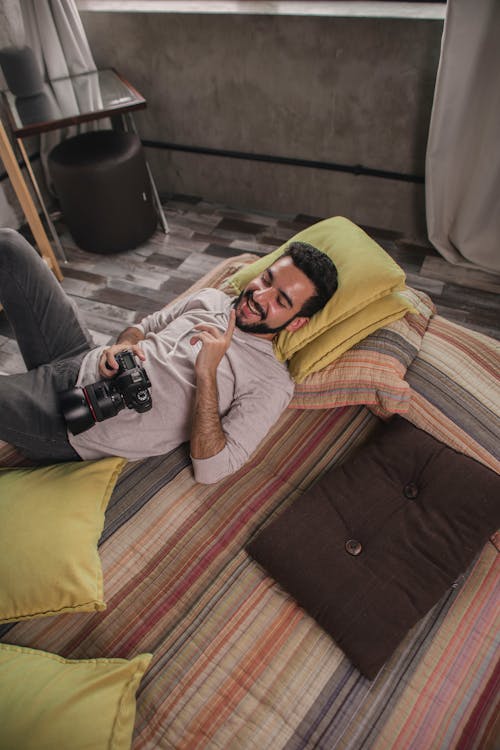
44,319
30,416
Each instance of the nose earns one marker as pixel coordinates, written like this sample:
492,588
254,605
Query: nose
263,294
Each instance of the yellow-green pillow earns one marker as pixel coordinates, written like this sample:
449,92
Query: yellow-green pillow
51,520
366,273
335,341
47,702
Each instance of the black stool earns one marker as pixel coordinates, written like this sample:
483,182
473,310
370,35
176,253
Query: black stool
104,190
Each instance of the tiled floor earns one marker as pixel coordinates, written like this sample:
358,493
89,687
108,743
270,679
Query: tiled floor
116,290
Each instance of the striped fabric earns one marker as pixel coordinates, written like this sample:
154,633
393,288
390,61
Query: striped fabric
455,385
373,371
237,664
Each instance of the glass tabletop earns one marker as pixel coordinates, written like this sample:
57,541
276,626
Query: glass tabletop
69,101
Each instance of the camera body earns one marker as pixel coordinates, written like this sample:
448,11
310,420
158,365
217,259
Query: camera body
83,407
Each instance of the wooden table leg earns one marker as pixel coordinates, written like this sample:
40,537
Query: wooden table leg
26,201
41,203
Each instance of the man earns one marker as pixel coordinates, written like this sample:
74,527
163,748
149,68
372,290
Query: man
214,378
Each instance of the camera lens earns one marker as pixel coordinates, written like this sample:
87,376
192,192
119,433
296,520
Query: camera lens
104,399
83,407
76,410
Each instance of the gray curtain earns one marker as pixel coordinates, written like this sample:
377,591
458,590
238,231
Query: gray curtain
463,152
54,31
11,24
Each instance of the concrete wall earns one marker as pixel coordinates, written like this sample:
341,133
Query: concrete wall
350,91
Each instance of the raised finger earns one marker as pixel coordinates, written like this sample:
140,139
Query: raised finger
231,325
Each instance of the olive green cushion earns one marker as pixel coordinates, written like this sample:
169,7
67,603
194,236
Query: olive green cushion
47,702
52,518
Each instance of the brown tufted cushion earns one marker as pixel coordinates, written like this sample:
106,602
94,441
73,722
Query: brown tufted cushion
375,543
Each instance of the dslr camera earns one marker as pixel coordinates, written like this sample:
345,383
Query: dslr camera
83,407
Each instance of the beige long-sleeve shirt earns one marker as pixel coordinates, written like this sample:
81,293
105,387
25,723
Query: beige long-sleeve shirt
253,390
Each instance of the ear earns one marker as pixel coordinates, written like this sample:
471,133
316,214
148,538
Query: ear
296,323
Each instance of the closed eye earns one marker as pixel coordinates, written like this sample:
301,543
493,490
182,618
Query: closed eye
283,298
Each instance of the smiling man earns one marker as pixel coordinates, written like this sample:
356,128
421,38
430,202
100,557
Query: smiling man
275,300
214,378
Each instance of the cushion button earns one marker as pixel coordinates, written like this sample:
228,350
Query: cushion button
410,490
353,547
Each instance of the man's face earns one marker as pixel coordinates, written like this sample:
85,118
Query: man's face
271,301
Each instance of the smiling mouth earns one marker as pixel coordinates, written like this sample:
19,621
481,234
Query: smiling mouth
253,307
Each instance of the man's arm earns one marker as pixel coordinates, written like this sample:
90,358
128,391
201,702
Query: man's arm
220,446
207,436
131,337
251,416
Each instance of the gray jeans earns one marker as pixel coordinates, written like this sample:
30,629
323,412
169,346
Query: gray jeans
53,343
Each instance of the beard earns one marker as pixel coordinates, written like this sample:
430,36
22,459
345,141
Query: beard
261,327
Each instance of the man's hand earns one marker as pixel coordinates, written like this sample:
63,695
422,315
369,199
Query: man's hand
129,339
108,366
215,344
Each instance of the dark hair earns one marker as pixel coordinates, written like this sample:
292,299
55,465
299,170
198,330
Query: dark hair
320,269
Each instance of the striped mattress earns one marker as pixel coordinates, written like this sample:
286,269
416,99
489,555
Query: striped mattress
237,665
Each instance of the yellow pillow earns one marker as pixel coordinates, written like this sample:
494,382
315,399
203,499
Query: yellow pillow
366,273
48,702
335,341
51,520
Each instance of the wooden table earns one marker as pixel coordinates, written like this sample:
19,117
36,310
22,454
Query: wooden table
64,102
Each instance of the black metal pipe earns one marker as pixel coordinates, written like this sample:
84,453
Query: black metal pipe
356,169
